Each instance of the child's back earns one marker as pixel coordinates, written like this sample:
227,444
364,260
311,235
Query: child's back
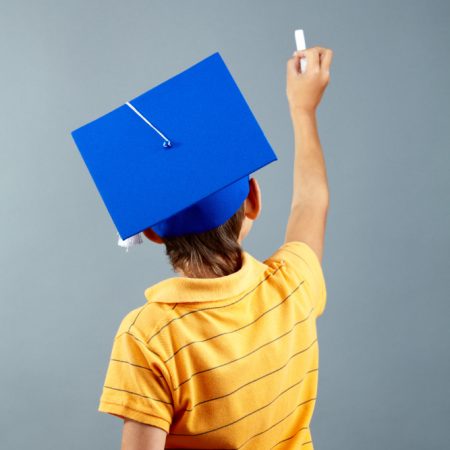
224,362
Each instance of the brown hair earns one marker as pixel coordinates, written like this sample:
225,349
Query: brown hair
213,253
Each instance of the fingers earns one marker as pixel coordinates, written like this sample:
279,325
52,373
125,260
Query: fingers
327,57
313,59
317,58
293,66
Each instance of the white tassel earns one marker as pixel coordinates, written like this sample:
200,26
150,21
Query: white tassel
130,242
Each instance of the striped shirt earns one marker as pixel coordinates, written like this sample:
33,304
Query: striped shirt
224,363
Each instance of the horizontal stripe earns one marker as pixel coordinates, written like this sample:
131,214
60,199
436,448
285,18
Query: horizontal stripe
299,257
262,376
246,384
140,342
237,329
136,365
277,423
134,321
290,437
307,442
140,395
244,417
126,408
313,274
137,315
137,340
237,359
214,307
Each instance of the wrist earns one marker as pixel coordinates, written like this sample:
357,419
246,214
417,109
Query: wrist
298,112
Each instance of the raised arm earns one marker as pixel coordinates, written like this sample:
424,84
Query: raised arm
310,196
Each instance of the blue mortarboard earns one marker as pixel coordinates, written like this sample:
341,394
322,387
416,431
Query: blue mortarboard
178,157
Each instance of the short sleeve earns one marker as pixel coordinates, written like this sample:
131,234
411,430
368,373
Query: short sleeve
137,384
303,263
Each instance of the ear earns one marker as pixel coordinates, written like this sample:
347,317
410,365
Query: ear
253,201
150,234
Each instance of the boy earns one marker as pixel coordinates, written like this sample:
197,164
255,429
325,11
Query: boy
225,355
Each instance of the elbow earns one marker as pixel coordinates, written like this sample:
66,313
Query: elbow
318,198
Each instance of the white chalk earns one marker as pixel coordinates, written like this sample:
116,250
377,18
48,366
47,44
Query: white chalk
301,45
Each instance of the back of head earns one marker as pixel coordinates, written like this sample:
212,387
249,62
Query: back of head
209,254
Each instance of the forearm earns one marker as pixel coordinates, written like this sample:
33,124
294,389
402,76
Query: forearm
310,184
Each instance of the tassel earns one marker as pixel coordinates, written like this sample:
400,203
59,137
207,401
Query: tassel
130,242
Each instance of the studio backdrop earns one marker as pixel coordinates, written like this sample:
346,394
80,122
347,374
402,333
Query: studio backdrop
384,127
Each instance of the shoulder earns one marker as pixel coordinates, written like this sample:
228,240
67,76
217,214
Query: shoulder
296,254
302,264
143,321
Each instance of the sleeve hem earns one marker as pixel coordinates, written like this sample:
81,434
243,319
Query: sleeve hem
123,411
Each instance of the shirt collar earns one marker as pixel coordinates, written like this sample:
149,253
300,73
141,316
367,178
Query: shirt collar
184,289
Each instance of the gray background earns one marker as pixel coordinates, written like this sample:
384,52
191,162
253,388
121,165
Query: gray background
384,124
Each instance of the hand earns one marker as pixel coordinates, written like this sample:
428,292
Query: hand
304,90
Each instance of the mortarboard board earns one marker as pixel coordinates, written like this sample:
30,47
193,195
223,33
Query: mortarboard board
178,157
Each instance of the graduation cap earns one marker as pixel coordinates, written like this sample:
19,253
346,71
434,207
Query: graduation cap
178,157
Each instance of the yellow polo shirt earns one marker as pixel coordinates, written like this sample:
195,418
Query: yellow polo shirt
224,363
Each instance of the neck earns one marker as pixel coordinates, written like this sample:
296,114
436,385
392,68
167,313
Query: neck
203,271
